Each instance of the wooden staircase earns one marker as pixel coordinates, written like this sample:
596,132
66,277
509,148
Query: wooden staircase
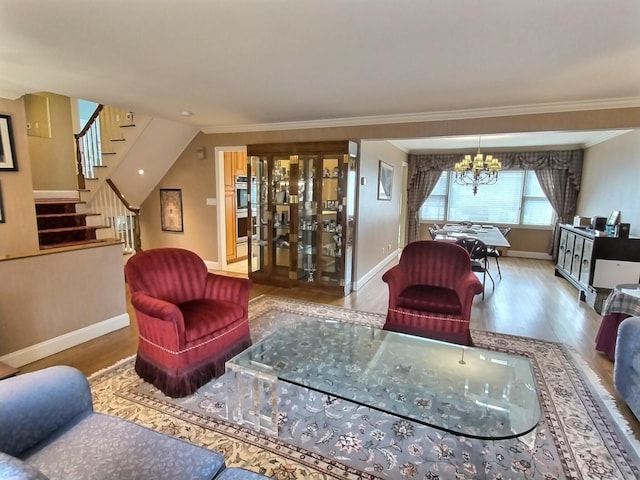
96,211
61,224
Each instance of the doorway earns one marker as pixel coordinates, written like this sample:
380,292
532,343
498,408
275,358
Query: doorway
231,168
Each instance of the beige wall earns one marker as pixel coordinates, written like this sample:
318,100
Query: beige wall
611,180
52,162
19,233
197,180
47,297
378,220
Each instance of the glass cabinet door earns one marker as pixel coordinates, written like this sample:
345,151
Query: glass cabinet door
260,259
307,218
281,215
332,221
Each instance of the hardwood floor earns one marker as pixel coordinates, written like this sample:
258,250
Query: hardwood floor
529,301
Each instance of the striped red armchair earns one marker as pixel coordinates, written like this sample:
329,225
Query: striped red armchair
190,321
431,291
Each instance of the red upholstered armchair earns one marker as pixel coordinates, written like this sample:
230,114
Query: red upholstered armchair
190,321
431,291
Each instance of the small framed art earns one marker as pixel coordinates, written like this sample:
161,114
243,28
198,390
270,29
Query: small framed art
171,210
1,208
7,150
385,180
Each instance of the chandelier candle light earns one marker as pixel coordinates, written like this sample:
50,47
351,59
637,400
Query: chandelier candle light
479,170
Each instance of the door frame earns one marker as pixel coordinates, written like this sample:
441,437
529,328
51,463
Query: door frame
221,223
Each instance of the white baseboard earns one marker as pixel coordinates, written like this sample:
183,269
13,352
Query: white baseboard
524,254
62,342
393,256
212,265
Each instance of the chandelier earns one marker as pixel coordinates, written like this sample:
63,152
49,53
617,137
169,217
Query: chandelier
479,170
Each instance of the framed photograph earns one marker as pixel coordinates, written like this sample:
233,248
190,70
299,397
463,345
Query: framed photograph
1,208
7,150
385,180
171,210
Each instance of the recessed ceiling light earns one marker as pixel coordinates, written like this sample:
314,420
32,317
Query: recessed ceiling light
186,113
141,172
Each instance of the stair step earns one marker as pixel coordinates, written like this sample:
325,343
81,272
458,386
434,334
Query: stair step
77,228
62,215
71,244
52,207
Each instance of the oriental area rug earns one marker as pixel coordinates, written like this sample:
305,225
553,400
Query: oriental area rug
580,435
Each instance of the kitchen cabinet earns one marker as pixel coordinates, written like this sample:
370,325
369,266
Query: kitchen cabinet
303,230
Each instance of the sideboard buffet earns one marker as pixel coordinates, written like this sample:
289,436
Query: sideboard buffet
580,248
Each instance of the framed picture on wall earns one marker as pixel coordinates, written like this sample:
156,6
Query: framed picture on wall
385,180
7,150
171,210
1,207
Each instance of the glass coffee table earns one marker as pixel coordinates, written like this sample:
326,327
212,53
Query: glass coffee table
467,391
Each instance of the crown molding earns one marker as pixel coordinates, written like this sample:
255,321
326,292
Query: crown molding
430,116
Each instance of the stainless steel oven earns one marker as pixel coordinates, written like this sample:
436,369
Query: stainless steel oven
242,192
241,195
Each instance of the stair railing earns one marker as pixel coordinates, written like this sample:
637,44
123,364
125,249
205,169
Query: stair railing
122,219
93,142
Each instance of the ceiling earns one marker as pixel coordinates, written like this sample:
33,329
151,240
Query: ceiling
249,65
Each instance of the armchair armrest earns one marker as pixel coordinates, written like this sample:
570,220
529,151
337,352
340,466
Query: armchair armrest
230,289
34,405
398,280
155,307
467,288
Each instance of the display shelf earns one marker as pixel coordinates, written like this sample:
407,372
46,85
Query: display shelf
305,200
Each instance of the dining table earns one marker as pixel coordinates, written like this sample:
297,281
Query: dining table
489,234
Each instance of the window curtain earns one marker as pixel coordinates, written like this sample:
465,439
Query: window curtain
424,173
559,173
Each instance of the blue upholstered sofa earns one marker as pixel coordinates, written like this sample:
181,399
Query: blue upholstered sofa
626,369
48,429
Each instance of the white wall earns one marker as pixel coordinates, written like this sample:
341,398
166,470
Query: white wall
611,180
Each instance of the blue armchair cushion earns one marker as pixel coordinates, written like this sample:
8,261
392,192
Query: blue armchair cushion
12,468
635,361
626,367
35,405
47,421
101,446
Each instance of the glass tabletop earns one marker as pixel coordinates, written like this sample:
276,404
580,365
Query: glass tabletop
464,390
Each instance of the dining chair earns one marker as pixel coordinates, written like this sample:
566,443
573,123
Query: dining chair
494,252
477,250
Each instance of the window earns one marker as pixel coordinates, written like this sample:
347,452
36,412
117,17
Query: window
515,199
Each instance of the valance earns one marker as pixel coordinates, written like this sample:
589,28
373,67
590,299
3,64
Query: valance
570,160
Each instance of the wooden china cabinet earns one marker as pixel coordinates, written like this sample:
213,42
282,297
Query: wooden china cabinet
303,229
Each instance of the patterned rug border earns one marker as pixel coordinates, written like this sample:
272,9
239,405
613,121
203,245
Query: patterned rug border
596,399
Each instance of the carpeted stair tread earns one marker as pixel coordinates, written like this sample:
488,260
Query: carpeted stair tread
71,244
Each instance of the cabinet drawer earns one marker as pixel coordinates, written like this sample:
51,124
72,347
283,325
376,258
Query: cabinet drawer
576,262
585,267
